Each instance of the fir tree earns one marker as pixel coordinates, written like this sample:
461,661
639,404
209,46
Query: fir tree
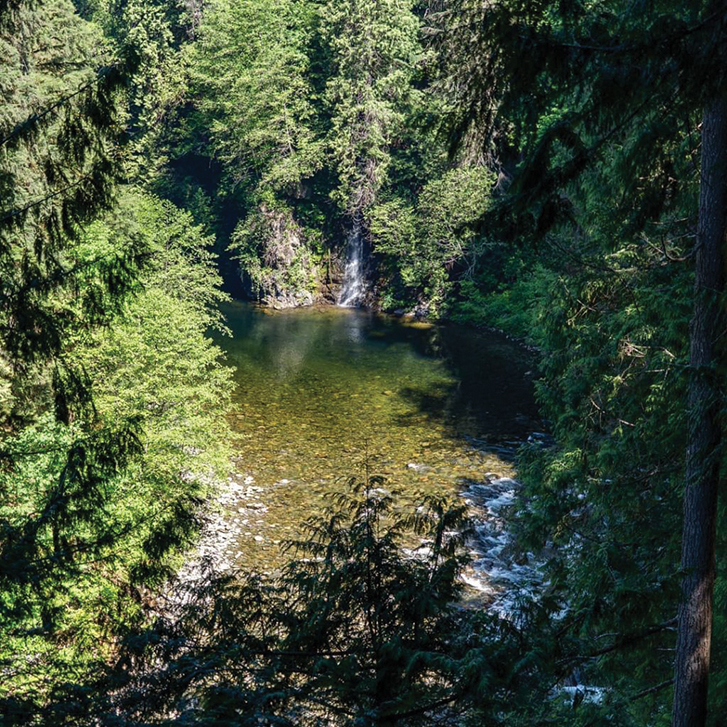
251,75
586,87
59,137
353,631
373,50
77,535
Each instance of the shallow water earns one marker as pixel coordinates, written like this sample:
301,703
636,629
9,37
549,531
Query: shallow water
322,391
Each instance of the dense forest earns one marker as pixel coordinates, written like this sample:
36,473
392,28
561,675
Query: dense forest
556,171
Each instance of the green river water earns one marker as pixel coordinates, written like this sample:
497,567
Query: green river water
322,391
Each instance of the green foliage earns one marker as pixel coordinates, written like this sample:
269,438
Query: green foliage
58,171
281,123
508,310
96,506
275,253
156,365
157,34
601,213
373,50
251,76
304,104
251,72
607,497
57,131
428,241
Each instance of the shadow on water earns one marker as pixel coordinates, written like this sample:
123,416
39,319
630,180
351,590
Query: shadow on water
436,403
320,390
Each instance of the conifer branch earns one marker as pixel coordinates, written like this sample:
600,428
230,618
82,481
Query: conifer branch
37,118
47,198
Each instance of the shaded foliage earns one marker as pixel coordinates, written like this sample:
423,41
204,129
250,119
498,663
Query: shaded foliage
598,136
353,630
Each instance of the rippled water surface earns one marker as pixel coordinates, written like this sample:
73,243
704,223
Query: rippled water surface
321,391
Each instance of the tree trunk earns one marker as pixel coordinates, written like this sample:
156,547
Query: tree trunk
703,449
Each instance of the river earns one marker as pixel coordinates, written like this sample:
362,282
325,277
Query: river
323,391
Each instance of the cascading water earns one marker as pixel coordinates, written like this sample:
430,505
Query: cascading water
353,288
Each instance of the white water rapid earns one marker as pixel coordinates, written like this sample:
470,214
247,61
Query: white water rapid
353,288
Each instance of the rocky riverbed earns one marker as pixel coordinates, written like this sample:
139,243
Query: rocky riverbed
226,517
500,574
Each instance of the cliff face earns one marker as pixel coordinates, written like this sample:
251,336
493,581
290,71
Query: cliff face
276,259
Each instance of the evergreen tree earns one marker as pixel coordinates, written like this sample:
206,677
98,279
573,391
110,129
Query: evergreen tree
251,69
434,242
251,73
612,87
374,50
76,578
158,35
352,631
84,453
60,166
59,170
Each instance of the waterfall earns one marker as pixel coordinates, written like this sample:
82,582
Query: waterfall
353,288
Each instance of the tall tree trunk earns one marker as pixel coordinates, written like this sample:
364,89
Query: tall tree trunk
703,450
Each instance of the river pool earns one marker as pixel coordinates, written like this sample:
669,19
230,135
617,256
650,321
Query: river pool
322,391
